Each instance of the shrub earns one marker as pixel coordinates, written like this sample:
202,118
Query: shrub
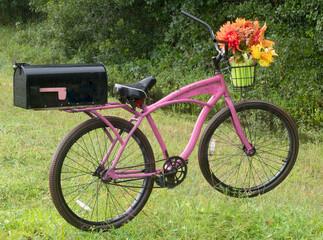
149,37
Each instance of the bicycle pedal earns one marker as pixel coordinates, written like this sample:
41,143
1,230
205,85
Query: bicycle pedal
159,180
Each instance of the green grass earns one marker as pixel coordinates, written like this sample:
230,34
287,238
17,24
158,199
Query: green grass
193,210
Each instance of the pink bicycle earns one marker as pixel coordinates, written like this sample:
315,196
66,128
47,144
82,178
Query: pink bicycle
104,170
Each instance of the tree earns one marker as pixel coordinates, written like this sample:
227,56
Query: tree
14,11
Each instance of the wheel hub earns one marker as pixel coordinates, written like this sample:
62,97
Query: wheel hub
251,152
100,172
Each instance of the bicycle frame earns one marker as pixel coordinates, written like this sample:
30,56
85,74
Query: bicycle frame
214,86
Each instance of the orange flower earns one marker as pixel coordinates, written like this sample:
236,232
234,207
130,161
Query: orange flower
240,22
229,33
245,28
258,36
267,43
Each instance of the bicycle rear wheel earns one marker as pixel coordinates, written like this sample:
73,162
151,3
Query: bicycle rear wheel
222,158
80,196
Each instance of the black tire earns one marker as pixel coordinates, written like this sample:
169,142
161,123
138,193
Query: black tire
84,200
223,161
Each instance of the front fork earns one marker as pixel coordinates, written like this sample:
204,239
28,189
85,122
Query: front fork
248,149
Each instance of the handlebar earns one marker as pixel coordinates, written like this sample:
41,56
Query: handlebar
221,55
202,22
208,26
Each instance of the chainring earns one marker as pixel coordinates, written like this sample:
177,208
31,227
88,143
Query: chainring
175,171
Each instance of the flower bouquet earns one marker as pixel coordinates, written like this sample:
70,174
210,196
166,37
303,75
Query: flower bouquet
246,39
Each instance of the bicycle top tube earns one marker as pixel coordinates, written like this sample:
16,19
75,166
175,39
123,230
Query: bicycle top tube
214,86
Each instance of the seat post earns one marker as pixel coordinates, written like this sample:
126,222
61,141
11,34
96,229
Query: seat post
140,102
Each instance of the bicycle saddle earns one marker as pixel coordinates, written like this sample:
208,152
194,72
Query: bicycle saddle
137,90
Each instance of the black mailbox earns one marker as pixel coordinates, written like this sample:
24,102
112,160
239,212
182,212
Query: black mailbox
59,86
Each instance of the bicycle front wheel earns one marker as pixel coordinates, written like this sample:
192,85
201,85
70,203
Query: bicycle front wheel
80,195
222,158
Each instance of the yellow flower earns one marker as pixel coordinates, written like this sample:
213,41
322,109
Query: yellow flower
273,52
267,58
263,54
256,51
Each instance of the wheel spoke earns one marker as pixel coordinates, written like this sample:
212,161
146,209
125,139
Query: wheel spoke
77,176
82,156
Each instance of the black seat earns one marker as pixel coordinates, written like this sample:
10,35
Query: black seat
137,90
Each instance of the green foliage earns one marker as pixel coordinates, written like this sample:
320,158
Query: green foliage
21,44
139,38
111,30
15,12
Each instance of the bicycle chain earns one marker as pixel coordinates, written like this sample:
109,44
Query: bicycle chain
130,167
129,186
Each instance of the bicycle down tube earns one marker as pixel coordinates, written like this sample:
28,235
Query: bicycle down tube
214,86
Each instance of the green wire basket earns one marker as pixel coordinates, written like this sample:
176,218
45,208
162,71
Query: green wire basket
242,76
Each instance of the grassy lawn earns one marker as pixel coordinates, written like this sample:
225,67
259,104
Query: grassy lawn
193,210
